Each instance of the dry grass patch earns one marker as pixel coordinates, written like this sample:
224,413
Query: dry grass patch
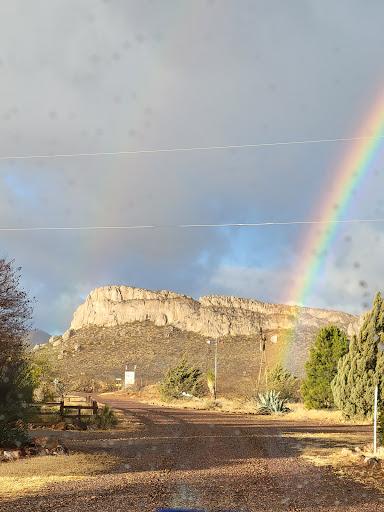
337,450
299,412
29,476
205,404
329,448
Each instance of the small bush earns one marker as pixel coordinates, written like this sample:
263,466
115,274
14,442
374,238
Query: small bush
211,404
106,419
14,411
283,382
180,379
271,403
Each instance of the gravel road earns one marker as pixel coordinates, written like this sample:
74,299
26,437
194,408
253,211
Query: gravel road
204,461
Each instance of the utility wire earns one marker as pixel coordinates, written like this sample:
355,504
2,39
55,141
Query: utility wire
186,226
179,150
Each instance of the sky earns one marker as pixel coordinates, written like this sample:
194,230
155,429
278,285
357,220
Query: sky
131,75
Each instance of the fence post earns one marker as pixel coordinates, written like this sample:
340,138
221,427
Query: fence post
61,410
94,407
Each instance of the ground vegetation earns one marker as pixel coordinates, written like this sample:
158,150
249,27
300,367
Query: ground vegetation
181,380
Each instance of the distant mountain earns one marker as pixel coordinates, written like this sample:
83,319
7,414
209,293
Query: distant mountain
38,337
120,325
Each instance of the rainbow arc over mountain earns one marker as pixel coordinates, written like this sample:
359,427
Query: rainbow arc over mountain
357,163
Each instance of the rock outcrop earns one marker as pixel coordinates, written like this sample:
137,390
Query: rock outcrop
111,306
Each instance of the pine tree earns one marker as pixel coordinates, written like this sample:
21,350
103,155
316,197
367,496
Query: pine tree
362,368
330,345
182,378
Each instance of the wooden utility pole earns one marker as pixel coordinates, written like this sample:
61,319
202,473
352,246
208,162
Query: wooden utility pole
263,359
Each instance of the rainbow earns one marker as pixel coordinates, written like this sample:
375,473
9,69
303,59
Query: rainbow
353,169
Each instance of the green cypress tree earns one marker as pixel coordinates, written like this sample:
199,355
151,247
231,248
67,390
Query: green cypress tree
330,345
362,368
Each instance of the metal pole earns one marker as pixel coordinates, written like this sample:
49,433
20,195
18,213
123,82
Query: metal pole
375,423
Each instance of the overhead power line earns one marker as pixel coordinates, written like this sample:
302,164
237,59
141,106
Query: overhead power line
187,226
191,149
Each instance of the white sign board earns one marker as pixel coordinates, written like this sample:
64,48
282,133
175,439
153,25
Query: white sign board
129,378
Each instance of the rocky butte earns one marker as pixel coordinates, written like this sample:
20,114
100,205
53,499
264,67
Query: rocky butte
111,306
152,329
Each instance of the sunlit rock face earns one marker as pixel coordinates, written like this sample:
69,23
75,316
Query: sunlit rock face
117,305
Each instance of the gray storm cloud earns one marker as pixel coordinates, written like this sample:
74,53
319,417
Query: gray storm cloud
115,76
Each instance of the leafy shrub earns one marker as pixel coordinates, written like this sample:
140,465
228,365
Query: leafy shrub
13,432
270,403
283,382
44,375
14,411
182,378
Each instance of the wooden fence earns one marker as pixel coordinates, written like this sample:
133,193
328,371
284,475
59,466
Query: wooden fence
63,409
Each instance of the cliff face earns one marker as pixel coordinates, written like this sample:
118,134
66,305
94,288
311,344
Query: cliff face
111,306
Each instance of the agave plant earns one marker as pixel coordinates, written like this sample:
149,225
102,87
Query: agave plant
270,403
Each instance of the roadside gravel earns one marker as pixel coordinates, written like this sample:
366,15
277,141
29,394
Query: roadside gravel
204,461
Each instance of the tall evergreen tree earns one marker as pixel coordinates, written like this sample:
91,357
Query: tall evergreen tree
330,345
362,368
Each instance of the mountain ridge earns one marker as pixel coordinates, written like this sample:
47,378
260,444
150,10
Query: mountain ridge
118,325
116,305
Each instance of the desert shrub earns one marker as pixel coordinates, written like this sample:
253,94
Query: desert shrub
270,403
182,378
212,404
283,382
45,390
106,418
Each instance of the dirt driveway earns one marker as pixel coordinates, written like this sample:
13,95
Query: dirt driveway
204,461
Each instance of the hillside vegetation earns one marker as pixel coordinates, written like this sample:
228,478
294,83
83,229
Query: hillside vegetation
98,355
